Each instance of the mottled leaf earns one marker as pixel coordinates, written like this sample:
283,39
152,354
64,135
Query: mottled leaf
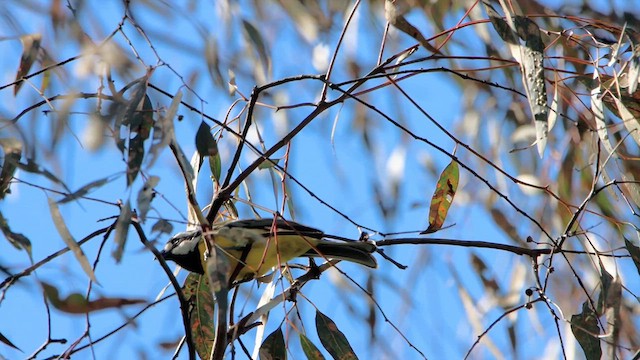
273,347
530,56
310,350
443,197
122,230
585,328
332,338
68,239
77,304
199,296
30,49
12,149
145,195
532,65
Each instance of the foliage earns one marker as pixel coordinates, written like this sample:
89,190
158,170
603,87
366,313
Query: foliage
489,148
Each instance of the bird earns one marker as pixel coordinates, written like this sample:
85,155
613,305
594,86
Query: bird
254,246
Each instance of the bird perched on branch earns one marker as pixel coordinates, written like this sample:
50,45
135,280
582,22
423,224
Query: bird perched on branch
253,247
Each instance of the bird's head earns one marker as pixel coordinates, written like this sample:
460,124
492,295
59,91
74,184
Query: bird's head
183,248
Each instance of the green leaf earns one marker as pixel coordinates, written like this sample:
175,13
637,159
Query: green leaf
122,230
585,328
12,149
443,197
333,339
215,165
634,251
273,347
310,350
200,298
68,239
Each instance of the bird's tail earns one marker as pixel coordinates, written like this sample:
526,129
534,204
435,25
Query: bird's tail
357,252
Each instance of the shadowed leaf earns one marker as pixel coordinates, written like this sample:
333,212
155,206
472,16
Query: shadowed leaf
585,328
205,143
332,338
68,239
273,347
443,197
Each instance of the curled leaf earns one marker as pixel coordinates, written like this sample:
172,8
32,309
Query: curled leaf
443,197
